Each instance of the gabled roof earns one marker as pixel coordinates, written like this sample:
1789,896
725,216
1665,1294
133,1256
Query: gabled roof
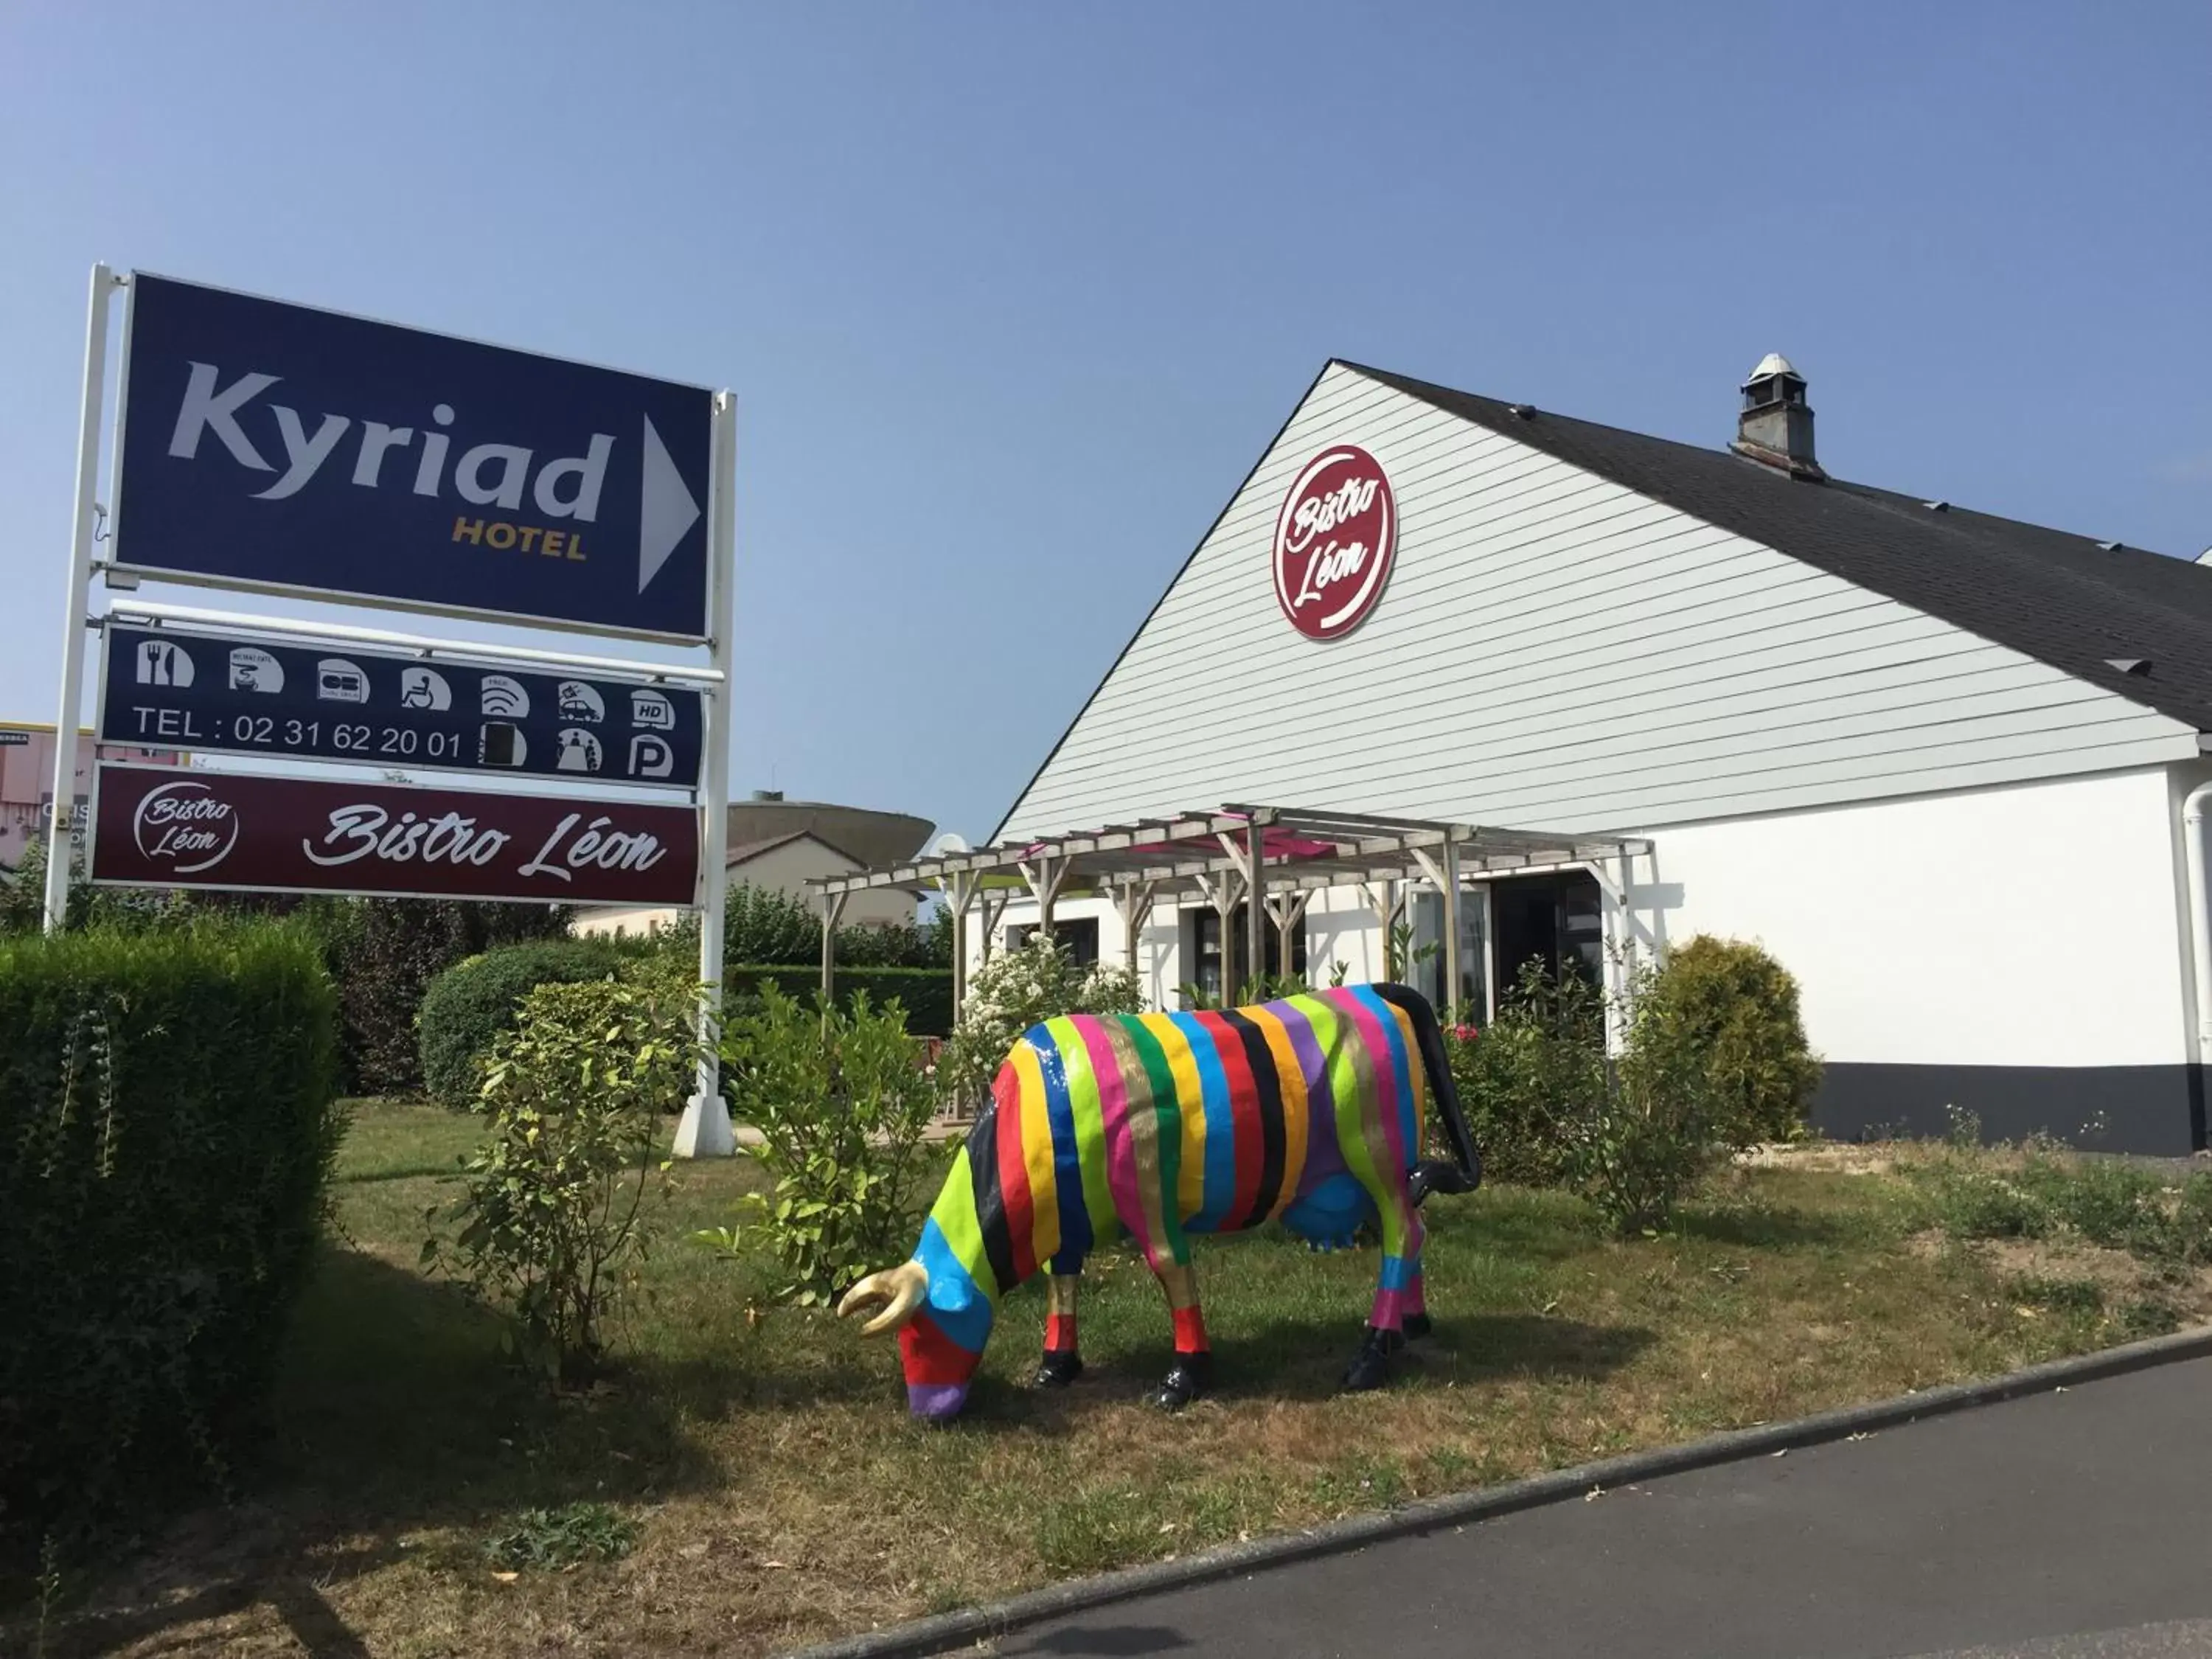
2066,600
746,851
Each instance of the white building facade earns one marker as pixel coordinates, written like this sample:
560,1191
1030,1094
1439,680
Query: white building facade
1940,764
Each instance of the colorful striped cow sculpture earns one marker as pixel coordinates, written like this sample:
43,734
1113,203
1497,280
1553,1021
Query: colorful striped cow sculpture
1310,1109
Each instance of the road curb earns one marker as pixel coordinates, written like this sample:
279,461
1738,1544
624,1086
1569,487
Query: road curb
944,1631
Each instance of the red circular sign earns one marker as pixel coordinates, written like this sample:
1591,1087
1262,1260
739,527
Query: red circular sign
1334,540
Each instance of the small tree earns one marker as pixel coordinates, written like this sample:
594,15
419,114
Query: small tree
1015,990
552,1219
841,1102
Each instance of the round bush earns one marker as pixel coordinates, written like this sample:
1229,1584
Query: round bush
1740,1006
467,1006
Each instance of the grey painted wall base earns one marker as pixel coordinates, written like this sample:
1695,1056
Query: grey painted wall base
2157,1110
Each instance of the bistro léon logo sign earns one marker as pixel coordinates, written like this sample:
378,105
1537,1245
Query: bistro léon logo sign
1334,540
158,827
186,826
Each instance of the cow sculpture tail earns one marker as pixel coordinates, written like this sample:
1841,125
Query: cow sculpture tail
1463,1173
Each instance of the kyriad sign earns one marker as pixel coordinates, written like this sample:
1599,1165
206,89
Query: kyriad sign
280,447
1334,541
166,827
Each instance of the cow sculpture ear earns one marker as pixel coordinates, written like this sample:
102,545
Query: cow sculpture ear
901,1290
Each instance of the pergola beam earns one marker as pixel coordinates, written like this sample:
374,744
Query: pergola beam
1273,858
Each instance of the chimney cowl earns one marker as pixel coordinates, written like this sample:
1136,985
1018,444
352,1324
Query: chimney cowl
1775,425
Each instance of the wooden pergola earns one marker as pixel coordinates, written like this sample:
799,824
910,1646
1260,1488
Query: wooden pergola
1276,857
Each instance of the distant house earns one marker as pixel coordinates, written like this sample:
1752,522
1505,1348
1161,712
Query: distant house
779,846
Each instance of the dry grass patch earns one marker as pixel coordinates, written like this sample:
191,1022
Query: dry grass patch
780,1494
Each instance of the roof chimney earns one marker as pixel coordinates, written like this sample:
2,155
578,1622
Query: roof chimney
1776,425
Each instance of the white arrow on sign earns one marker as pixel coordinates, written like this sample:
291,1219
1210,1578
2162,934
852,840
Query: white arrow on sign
665,512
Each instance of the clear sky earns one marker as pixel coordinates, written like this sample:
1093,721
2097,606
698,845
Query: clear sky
1012,296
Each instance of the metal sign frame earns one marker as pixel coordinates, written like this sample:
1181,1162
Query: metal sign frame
705,1129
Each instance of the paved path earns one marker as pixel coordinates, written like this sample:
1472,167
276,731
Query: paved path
2065,1525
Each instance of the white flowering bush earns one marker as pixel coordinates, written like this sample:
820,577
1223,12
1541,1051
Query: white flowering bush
1014,991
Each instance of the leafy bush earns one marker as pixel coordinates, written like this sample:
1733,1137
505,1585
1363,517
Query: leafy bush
1633,1132
1519,1080
1739,1005
1663,1123
552,1208
469,1004
1014,991
840,1100
167,1120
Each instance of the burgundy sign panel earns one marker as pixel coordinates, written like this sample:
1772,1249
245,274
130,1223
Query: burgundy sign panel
1334,541
159,827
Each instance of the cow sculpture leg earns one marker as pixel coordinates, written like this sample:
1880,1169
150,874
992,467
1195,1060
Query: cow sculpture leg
1400,1311
1193,1370
1062,1363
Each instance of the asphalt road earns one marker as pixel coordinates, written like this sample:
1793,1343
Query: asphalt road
2075,1525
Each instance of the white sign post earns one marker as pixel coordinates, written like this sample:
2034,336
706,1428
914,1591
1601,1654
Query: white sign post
103,282
704,1130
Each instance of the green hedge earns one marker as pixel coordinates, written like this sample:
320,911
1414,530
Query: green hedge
467,1006
926,994
168,1118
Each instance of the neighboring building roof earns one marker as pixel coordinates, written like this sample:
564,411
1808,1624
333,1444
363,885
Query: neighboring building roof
747,851
2071,601
872,839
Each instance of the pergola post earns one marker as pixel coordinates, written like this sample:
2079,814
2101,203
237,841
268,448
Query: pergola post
1133,902
987,912
1388,900
1288,909
833,911
1222,888
959,890
1046,876
1255,903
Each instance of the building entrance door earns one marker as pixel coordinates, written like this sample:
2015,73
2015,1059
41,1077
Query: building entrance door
1557,921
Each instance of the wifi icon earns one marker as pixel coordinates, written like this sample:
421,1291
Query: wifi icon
504,697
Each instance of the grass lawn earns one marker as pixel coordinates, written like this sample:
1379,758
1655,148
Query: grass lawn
780,1495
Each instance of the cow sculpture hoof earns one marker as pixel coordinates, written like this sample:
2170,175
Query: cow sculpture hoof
1186,1381
1057,1370
1371,1366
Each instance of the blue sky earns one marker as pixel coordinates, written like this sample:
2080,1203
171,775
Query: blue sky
1012,296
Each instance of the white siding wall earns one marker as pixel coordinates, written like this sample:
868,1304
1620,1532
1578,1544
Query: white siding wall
2034,925
1553,650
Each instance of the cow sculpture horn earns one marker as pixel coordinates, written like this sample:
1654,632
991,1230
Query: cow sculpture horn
902,1289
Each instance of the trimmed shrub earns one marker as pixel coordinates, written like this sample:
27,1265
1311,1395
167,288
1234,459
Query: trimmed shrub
468,1006
167,1120
769,928
383,953
924,993
1738,1007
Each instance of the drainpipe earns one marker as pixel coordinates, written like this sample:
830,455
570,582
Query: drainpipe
2194,813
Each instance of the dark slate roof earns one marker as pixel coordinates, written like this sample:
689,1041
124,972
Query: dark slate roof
2063,599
